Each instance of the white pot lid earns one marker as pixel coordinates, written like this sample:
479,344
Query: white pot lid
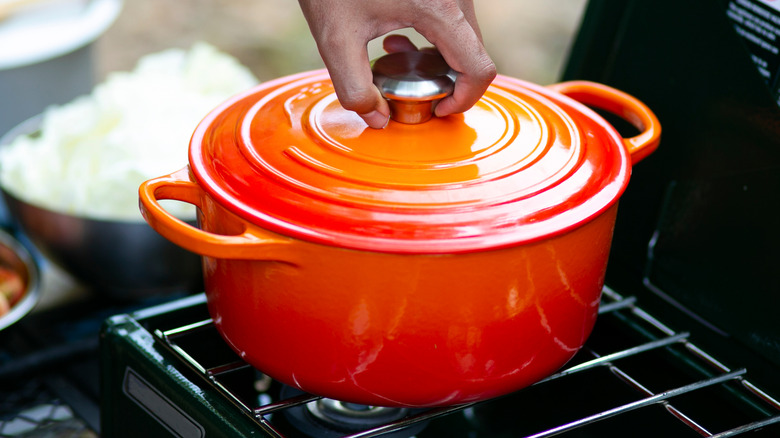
50,29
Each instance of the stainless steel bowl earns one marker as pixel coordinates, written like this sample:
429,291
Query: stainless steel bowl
124,259
15,256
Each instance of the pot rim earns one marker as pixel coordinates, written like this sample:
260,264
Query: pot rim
500,230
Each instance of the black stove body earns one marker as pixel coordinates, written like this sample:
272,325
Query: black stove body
698,228
687,342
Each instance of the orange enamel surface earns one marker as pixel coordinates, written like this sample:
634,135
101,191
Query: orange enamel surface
238,240
418,265
620,104
411,330
398,329
524,164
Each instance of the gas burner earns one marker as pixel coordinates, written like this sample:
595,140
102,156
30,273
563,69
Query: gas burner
327,418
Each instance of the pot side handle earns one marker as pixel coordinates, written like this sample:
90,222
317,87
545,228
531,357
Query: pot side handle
250,245
623,105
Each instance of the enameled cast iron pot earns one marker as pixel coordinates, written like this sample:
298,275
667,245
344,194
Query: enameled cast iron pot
417,265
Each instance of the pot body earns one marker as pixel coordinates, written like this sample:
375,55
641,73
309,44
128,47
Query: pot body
431,265
407,330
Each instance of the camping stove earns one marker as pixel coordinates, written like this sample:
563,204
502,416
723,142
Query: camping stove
167,371
687,340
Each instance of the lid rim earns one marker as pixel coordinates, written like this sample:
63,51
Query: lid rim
594,204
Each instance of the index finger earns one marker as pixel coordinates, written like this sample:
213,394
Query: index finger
459,42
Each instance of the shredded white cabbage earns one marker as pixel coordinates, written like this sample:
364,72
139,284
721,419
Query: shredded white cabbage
92,153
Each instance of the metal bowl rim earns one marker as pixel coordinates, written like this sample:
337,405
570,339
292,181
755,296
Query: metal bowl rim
32,291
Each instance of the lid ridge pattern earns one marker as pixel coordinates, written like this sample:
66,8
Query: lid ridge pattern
523,164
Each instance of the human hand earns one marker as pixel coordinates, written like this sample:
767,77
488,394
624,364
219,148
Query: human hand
343,28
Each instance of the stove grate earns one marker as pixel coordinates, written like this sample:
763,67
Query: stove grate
709,376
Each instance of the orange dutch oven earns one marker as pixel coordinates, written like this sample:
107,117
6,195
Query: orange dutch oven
423,264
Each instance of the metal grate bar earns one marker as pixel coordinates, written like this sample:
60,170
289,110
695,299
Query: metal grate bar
761,394
696,351
663,328
623,303
284,404
434,413
688,421
669,408
215,372
178,350
638,404
233,397
748,427
410,420
604,360
185,329
210,374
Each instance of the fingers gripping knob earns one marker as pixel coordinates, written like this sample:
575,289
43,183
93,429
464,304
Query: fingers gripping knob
412,82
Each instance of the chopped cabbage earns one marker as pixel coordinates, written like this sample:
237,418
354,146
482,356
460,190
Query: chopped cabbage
92,153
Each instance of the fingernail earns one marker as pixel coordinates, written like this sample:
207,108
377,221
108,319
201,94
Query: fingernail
375,119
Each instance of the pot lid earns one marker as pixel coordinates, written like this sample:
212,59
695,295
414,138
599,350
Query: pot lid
524,164
39,31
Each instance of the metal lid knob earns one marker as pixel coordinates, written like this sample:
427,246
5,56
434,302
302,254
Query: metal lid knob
412,82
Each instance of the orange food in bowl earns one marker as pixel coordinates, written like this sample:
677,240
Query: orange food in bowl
11,288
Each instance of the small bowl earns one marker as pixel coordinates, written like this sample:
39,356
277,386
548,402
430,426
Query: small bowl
126,260
14,257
